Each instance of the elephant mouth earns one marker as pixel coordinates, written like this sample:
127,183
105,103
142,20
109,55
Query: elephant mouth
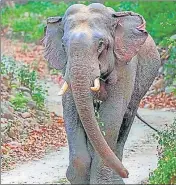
97,85
94,88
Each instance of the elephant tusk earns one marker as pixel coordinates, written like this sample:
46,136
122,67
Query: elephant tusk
96,85
63,89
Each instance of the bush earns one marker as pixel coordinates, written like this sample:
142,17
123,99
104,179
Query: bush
19,101
27,21
166,168
170,65
22,75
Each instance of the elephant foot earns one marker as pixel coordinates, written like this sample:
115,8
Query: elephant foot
101,174
106,176
78,171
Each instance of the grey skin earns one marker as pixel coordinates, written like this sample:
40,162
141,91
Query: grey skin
95,41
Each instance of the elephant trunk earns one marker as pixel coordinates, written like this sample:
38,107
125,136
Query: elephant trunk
80,84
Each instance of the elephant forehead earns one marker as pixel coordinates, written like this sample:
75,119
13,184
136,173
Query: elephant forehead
97,7
82,13
83,27
80,8
76,8
76,17
85,20
77,24
81,18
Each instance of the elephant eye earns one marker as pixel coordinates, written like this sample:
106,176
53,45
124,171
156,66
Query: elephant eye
100,45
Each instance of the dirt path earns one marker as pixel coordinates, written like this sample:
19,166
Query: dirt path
139,154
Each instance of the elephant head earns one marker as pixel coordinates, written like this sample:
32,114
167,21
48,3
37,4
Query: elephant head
88,42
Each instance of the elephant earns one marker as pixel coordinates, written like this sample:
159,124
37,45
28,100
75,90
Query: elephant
108,61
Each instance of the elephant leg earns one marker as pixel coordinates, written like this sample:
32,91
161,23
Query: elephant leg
124,130
147,70
78,171
111,114
142,84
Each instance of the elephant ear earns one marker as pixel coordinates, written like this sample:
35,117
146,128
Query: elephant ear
130,35
53,49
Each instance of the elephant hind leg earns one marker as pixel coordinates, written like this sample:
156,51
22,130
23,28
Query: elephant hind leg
124,130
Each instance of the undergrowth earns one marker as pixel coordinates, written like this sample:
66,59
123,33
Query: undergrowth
20,75
165,173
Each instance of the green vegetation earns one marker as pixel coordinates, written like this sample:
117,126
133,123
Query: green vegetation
100,123
20,75
27,78
170,65
27,21
166,170
19,101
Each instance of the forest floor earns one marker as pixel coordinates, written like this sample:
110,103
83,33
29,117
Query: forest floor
140,153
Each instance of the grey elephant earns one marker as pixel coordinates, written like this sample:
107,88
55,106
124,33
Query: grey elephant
108,58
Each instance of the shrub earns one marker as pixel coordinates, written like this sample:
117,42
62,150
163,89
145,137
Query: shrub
165,173
19,101
27,21
170,65
26,77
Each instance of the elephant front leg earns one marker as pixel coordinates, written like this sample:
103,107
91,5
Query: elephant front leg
78,171
111,115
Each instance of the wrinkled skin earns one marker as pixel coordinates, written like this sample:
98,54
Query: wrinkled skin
95,41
